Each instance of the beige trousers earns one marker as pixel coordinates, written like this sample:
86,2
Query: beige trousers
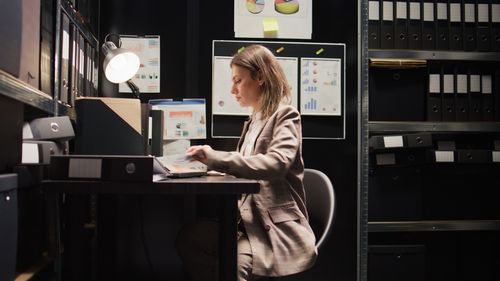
198,248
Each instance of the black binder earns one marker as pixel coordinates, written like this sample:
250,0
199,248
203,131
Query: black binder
455,19
81,69
487,106
102,167
374,24
64,86
469,24
428,25
88,70
495,25
483,25
434,94
442,28
73,69
474,95
400,25
474,156
387,26
415,25
75,61
461,97
448,93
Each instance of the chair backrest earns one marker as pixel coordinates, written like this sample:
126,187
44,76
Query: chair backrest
320,203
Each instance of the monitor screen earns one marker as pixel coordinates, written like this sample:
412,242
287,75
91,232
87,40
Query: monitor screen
183,119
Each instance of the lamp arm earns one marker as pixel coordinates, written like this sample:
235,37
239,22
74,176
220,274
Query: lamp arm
134,88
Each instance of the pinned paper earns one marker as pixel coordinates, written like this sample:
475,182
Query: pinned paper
271,27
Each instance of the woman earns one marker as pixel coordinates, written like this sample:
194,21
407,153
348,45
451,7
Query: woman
275,238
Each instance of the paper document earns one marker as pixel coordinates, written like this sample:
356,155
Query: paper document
180,165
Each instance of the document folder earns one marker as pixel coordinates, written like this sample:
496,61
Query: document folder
448,102
101,167
64,87
462,99
455,20
474,156
414,25
398,142
434,96
428,25
109,126
474,96
469,23
400,26
495,25
487,105
442,28
483,25
374,24
387,27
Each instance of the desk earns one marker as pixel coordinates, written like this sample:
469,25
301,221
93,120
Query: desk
228,187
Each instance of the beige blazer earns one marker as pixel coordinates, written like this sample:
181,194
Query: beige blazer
275,219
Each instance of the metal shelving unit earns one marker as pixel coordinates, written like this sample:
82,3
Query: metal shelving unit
434,225
462,127
16,89
434,55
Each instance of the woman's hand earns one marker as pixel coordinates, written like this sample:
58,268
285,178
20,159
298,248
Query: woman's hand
199,152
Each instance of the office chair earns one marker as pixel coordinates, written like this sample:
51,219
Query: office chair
320,204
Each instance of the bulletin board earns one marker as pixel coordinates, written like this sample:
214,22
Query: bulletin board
316,76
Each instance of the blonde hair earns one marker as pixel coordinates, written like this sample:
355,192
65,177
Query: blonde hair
261,63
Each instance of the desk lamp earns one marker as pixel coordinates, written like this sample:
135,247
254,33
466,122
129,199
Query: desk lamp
120,64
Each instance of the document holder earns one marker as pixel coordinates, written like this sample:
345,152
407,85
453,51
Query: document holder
469,25
428,25
414,25
434,107
487,100
461,96
476,156
474,95
483,25
442,28
400,26
64,83
374,24
455,20
495,25
109,126
448,93
101,167
387,26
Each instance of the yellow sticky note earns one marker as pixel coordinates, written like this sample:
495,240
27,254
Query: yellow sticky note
271,27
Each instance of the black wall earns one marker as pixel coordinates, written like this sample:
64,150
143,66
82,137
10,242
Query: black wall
187,29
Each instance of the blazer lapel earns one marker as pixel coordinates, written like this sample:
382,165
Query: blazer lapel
243,133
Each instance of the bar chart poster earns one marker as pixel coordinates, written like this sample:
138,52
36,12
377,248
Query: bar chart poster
320,86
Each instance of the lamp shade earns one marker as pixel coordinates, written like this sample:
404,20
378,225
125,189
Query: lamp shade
119,64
